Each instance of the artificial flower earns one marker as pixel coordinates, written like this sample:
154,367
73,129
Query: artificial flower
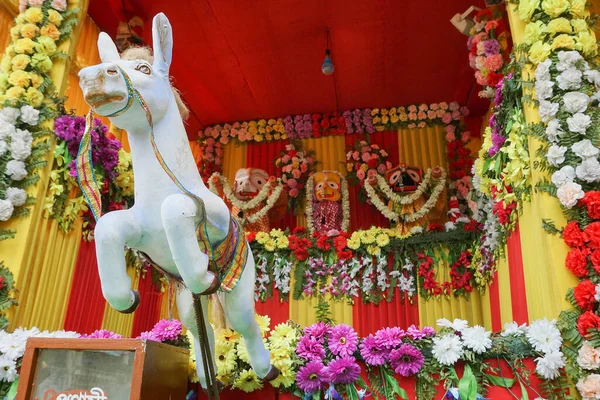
550,364
585,295
527,8
342,370
588,170
248,381
406,360
513,328
312,377
569,194
343,340
539,52
477,339
588,357
371,353
589,387
388,338
447,349
544,336
579,123
587,321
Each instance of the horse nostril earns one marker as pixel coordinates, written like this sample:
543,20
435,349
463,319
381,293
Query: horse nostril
111,71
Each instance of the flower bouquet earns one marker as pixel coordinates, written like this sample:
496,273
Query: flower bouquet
365,160
295,165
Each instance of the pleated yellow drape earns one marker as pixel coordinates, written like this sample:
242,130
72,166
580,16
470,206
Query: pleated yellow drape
6,21
234,158
423,147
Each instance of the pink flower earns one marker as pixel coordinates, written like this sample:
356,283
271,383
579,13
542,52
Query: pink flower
411,126
292,183
149,336
480,62
421,115
383,153
371,172
443,106
366,157
494,62
360,174
431,114
167,330
388,165
285,159
224,140
465,111
381,169
343,340
454,106
480,78
456,115
450,128
447,118
210,141
215,133
465,136
294,192
296,173
355,155
304,167
102,334
422,124
440,113
412,108
412,116
59,5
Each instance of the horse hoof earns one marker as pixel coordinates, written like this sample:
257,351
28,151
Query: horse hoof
220,387
136,303
272,375
214,286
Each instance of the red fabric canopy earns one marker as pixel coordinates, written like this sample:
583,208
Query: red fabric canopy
241,60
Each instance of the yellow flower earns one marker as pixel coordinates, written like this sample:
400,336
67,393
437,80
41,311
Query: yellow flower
280,355
539,51
242,352
376,120
527,8
353,243
394,118
383,240
34,97
258,138
586,43
364,167
285,379
3,81
51,31
555,7
225,358
34,15
563,42
373,250
283,336
403,117
228,335
19,78
24,45
270,245
262,237
54,17
36,80
374,112
276,233
580,25
367,237
29,30
384,111
262,123
385,119
46,45
20,61
248,381
20,20
263,322
559,25
252,130
5,63
578,8
15,32
14,93
41,62
283,242
349,166
393,111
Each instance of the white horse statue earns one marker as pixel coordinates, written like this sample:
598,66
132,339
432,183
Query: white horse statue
184,229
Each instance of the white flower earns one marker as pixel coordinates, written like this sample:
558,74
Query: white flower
569,194
19,150
588,170
549,365
593,76
568,59
16,170
6,130
588,387
416,230
597,295
556,155
9,115
576,102
543,89
512,328
30,115
589,357
60,334
579,123
544,336
584,149
8,370
447,349
554,130
477,339
542,72
406,284
547,110
3,147
458,325
6,210
16,196
564,175
569,79
23,135
449,226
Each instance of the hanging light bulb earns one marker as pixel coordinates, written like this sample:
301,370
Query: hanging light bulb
327,67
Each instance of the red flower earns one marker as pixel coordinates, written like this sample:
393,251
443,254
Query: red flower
299,230
572,235
344,255
471,226
339,243
1,282
588,320
323,243
325,123
435,228
592,201
251,236
493,78
577,262
372,163
585,295
592,235
595,258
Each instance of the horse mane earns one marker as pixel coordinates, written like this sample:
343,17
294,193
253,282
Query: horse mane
145,53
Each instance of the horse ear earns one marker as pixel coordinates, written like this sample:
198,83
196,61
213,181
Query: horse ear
107,48
162,40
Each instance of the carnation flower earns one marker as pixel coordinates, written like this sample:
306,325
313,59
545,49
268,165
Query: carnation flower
544,336
570,79
593,76
576,102
569,194
589,388
6,210
584,149
513,328
589,357
549,366
458,324
542,72
30,115
547,110
543,89
447,349
564,175
6,130
343,370
568,59
9,115
477,339
371,353
388,338
585,295
16,196
19,150
579,123
554,130
16,170
312,377
343,340
556,155
588,170
102,334
310,348
587,321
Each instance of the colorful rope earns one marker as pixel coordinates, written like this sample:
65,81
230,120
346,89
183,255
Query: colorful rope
85,169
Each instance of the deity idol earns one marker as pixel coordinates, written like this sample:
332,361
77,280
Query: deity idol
327,209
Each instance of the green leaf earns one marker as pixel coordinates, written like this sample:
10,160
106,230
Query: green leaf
467,386
500,381
317,395
524,395
351,391
12,392
395,386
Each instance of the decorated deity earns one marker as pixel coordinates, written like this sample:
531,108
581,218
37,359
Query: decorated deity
256,199
327,202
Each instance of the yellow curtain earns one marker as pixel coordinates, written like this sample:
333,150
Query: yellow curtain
423,147
6,21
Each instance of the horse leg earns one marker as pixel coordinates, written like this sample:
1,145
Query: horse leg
113,231
179,215
185,308
239,310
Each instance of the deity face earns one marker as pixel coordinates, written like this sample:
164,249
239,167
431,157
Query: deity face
404,178
327,186
248,182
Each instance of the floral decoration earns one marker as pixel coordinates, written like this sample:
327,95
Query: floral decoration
365,160
7,299
295,165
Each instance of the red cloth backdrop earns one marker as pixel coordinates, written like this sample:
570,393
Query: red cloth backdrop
85,309
148,313
278,311
518,292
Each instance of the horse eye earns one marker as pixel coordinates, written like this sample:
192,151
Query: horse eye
259,182
144,69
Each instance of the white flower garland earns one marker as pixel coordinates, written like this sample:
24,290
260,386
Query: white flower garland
310,225
250,204
282,269
427,207
404,200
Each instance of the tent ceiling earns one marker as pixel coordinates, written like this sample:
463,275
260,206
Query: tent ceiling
240,60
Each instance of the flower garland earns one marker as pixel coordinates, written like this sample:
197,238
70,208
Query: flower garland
27,100
240,204
112,167
363,161
488,48
383,185
437,190
295,166
345,203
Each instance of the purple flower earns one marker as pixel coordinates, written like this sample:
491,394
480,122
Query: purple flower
79,126
318,330
388,338
368,120
491,47
63,128
497,142
428,331
102,334
167,330
343,340
406,360
343,370
414,332
149,335
371,353
310,348
312,377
